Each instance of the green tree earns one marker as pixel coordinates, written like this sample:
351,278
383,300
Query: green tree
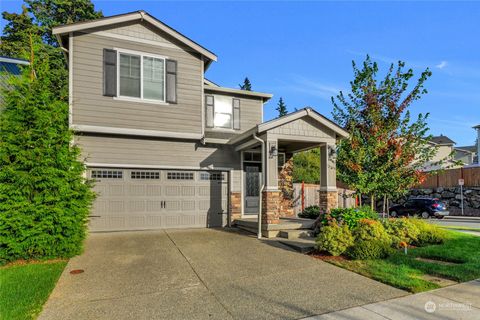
15,40
281,108
387,149
44,199
37,18
52,13
246,85
306,166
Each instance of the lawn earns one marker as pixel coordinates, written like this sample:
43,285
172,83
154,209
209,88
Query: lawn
25,288
405,272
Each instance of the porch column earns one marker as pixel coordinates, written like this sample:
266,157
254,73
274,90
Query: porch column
328,178
271,192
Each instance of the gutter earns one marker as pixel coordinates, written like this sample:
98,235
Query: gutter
259,234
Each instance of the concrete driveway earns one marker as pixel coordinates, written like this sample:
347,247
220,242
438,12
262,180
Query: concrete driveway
202,274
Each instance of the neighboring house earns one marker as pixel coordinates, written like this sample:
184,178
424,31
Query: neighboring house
169,148
448,154
9,67
466,154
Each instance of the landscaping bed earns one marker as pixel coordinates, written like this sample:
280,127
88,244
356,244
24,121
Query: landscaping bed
25,287
409,254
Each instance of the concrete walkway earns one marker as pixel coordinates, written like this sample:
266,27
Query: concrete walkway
459,302
203,274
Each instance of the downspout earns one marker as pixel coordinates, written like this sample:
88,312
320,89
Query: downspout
259,234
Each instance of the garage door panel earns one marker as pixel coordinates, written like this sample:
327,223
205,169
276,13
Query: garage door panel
154,199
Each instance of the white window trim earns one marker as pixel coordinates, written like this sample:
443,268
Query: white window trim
141,54
219,128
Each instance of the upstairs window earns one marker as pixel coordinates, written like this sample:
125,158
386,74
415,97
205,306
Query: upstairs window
141,76
222,112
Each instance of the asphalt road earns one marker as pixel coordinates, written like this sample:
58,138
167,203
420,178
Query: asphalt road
470,222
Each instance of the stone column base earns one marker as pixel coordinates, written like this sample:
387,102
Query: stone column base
328,201
235,206
271,207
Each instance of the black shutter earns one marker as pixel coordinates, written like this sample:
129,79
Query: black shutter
236,114
109,72
209,110
171,81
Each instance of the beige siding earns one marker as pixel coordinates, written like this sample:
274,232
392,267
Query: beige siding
164,153
90,107
304,127
250,116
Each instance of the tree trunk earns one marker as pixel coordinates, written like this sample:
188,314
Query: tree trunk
388,211
360,199
384,205
372,200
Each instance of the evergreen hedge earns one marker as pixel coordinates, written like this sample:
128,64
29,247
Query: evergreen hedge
44,197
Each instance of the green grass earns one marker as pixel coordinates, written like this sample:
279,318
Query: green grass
404,272
25,288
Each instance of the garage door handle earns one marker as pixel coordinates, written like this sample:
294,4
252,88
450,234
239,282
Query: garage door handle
94,216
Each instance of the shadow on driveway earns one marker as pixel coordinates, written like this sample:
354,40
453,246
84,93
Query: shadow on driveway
202,274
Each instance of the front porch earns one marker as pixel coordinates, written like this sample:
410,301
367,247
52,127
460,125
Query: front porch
267,210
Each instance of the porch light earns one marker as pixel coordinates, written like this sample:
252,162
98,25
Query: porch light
273,150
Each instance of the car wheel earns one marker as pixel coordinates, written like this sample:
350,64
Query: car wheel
440,217
425,215
393,214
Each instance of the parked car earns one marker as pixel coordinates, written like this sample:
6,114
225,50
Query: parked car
422,207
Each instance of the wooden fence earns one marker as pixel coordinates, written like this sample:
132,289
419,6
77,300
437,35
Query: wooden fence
449,178
311,197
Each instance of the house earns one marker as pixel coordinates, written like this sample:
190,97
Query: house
448,154
169,148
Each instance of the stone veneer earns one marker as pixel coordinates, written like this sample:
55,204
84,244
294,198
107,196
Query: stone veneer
285,184
270,207
235,206
328,200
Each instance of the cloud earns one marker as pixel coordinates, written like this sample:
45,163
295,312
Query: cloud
441,65
314,87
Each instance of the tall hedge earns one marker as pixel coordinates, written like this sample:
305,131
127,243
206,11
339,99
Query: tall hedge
44,197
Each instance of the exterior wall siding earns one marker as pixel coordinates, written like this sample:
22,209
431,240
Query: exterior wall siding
250,116
304,127
90,107
125,151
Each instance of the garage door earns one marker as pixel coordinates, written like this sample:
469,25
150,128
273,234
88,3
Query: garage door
129,199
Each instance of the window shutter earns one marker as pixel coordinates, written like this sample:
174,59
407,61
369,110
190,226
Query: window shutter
209,110
236,114
109,72
171,81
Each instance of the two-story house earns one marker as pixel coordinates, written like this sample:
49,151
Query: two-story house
448,156
168,148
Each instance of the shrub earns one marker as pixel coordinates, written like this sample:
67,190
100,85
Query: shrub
371,241
335,239
44,199
349,216
401,230
428,233
311,212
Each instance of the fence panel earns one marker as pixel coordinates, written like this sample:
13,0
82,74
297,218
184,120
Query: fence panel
449,178
312,197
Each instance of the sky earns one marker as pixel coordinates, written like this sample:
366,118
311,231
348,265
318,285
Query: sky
303,51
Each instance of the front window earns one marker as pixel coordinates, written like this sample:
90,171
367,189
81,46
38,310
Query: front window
141,76
223,112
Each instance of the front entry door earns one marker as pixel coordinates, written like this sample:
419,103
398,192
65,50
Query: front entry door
253,180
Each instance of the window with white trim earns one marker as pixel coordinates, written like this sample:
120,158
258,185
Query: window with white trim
141,76
223,112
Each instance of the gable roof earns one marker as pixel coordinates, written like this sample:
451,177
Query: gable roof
300,114
141,15
442,140
472,149
306,112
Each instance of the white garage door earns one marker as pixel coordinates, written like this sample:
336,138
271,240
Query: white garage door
129,199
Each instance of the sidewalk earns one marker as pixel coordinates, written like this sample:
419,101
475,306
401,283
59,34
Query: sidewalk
459,302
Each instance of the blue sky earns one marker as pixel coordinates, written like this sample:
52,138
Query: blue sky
302,51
